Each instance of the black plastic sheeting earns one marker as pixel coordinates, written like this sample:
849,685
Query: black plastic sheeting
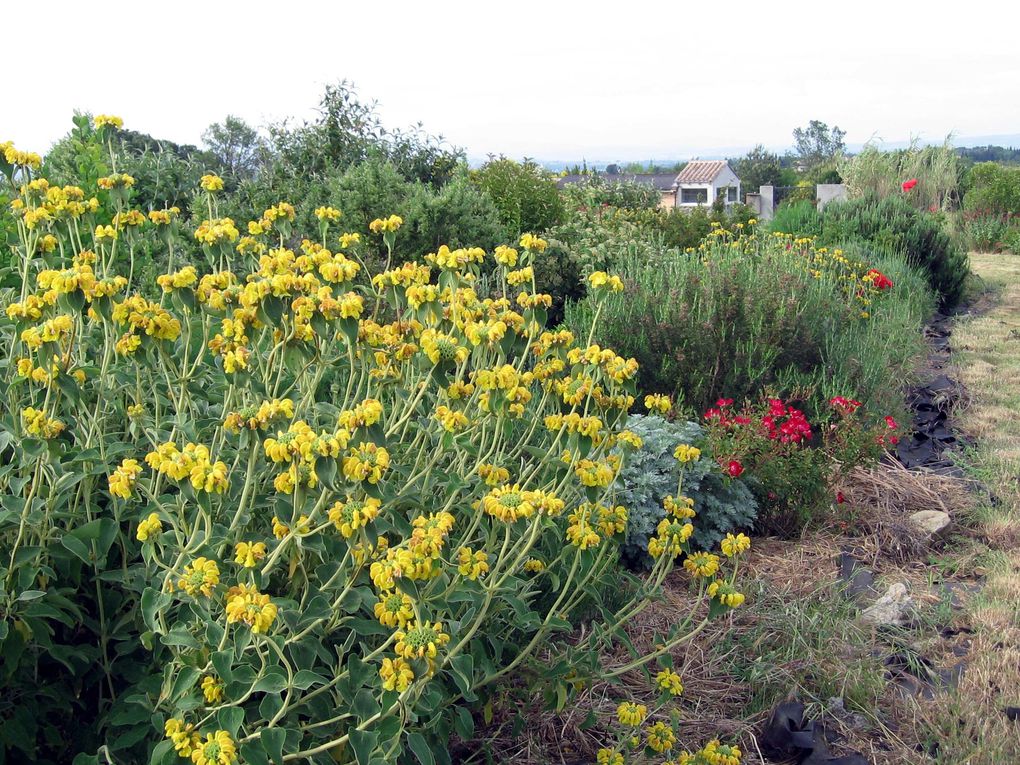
788,736
931,435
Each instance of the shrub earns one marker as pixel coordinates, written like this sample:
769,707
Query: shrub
992,189
895,224
792,464
723,504
292,511
986,233
800,217
746,314
597,190
525,194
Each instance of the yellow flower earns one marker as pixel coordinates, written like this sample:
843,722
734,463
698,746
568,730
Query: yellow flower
212,689
505,256
217,749
246,604
38,424
734,545
396,675
669,681
200,577
533,243
685,453
703,564
394,609
351,515
385,225
608,757
420,640
661,737
472,564
601,280
101,120
629,713
212,182
366,462
658,403
149,528
327,214
184,737
248,554
534,566
720,754
725,593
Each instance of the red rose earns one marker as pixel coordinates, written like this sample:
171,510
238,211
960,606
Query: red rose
908,185
734,469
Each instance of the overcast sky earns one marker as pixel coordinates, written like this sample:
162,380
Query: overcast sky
552,80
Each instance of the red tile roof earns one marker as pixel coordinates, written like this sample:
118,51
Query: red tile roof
701,171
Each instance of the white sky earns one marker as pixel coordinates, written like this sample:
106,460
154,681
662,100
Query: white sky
552,80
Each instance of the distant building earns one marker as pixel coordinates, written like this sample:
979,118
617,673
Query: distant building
699,183
702,182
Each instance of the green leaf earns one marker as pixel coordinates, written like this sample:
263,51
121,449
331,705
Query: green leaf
363,743
464,724
76,546
365,704
273,740
305,678
31,595
271,682
253,753
462,668
421,748
230,719
179,636
184,682
223,662
163,753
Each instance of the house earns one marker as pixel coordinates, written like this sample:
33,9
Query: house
664,183
701,182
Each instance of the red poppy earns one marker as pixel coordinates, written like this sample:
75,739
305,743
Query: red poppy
734,469
891,423
908,185
879,280
840,499
724,402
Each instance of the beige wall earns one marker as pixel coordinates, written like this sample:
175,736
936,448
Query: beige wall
667,200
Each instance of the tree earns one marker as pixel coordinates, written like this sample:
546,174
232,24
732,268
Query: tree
817,143
525,194
237,146
759,167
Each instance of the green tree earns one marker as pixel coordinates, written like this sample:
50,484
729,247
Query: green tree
237,146
818,143
759,167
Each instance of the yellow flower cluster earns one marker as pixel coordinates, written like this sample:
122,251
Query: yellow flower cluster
600,280
102,120
420,640
631,714
200,576
149,528
347,517
396,675
245,604
248,554
13,156
186,277
669,681
533,243
192,462
394,609
37,423
216,231
211,182
386,225
685,453
260,417
725,593
734,545
122,481
472,564
656,402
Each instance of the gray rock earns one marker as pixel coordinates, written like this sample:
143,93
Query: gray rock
890,609
930,522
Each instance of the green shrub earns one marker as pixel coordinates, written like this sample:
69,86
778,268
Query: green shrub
992,189
876,173
799,217
597,190
524,192
895,224
733,321
986,233
723,504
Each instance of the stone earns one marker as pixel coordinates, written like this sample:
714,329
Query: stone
890,609
931,522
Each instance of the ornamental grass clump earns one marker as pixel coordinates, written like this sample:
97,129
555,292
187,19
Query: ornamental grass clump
291,510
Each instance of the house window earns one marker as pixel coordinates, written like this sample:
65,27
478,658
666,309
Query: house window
693,196
731,194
